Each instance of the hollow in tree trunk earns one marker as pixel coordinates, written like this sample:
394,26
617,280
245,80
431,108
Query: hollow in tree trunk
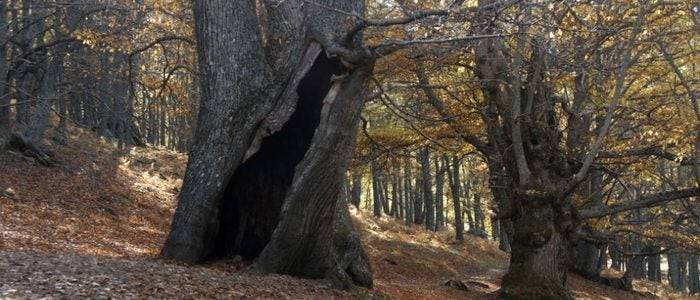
277,120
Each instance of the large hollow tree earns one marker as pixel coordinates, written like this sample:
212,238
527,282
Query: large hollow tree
281,98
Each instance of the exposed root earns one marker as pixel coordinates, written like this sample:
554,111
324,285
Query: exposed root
19,143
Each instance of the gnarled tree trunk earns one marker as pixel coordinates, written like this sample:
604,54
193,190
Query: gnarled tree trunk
276,122
539,253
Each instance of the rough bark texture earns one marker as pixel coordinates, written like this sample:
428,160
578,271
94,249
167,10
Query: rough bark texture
301,241
4,98
538,255
233,73
277,120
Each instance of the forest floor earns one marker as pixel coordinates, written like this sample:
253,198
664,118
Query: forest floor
92,226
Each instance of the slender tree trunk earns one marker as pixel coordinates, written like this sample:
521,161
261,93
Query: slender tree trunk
654,264
408,192
693,274
615,258
399,191
427,187
356,188
495,229
376,190
468,207
603,258
479,214
4,97
394,189
384,179
418,215
676,271
439,195
454,179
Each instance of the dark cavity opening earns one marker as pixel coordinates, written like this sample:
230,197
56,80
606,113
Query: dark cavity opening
254,195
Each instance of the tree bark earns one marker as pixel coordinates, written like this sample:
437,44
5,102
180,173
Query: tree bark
479,214
427,186
654,264
454,179
505,227
408,192
376,190
677,271
393,176
538,255
4,97
693,275
587,257
439,195
356,188
276,121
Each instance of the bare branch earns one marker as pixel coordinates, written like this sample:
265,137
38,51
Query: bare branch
644,201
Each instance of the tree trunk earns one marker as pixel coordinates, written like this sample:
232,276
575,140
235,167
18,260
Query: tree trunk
439,195
356,188
454,179
505,227
408,192
587,257
302,240
677,271
417,195
539,254
693,274
654,264
400,209
615,258
479,214
376,189
277,119
384,180
495,230
603,257
4,97
427,187
394,189
345,190
468,207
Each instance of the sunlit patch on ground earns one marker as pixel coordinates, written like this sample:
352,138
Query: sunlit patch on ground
99,218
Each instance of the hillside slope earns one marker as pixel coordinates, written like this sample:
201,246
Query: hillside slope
92,226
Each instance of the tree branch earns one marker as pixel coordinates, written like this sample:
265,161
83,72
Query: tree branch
650,200
648,151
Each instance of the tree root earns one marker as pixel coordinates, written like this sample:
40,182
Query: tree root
19,143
